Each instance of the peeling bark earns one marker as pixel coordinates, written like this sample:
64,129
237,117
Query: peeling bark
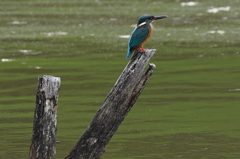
43,144
116,106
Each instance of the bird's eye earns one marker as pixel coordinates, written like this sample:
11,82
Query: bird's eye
152,18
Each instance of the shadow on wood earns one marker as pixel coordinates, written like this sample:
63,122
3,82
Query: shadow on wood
116,106
43,144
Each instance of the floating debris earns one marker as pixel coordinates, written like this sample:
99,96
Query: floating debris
113,19
7,60
18,22
183,4
29,52
37,67
124,36
54,33
215,10
221,32
230,90
25,51
218,32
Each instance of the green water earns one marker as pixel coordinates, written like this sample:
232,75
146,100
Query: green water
190,107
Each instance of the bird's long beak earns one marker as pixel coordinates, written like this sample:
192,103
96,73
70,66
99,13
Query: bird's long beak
159,17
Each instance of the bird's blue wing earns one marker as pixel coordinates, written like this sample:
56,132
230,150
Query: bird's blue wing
139,34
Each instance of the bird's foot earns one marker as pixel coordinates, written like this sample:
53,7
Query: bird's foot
141,49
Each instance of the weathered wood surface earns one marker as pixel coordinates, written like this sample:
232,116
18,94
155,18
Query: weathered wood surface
116,106
43,144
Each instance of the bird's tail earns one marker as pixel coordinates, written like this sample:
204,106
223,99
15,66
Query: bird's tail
129,53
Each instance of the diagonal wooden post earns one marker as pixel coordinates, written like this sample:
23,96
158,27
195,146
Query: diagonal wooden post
43,144
116,106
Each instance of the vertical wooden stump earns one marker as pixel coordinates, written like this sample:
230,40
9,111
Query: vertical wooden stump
43,144
116,106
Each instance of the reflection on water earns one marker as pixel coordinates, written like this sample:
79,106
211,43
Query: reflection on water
189,109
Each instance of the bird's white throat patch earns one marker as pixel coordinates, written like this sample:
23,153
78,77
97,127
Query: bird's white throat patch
142,24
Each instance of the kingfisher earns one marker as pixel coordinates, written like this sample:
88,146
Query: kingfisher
141,33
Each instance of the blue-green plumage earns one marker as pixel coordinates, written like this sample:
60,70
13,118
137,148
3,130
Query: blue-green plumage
141,33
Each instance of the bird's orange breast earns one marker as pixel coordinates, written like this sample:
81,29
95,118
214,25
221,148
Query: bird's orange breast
149,35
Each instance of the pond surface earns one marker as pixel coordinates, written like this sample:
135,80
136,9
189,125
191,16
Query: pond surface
189,108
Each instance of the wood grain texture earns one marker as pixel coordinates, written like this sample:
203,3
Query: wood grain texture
115,107
43,145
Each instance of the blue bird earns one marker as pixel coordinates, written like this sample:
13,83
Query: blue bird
141,33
